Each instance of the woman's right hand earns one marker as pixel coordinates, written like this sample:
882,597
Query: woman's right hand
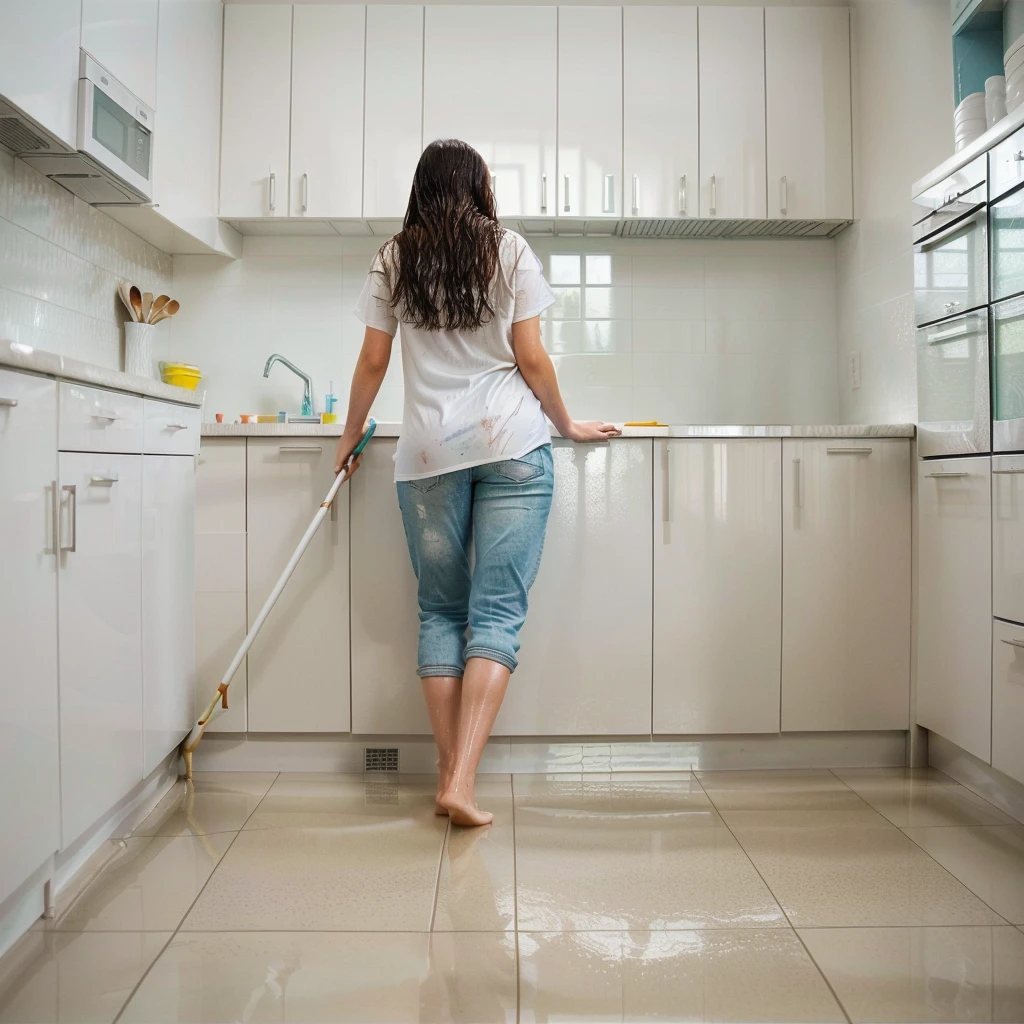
591,430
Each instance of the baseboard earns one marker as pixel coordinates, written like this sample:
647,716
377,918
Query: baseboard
344,753
992,785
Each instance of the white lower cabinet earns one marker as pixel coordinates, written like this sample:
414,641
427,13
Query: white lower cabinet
1008,699
1008,537
168,621
717,586
30,799
846,585
100,635
298,676
954,645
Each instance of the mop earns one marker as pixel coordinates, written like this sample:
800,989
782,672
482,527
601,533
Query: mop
220,698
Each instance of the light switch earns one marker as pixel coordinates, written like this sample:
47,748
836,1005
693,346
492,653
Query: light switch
853,370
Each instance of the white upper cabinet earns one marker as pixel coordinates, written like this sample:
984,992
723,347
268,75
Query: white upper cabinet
393,106
659,77
121,35
327,110
846,582
509,120
256,108
717,586
589,112
807,94
39,64
732,113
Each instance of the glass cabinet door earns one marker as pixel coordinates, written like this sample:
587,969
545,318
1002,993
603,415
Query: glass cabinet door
1008,246
1008,375
951,269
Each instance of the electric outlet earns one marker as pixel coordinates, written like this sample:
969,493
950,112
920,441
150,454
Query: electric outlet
853,370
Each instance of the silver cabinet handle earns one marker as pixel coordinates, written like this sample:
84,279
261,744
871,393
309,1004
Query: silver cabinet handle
636,196
682,195
1007,472
1013,643
103,481
849,451
714,196
8,403
947,476
666,483
72,492
305,192
300,448
272,192
177,426
798,484
108,416
566,210
608,206
544,193
785,197
55,511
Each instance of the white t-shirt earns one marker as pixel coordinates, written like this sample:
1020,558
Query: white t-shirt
466,402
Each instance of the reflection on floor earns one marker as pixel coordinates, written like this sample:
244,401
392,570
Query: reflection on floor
860,895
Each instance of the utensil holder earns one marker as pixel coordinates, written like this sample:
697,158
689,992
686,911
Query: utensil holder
138,350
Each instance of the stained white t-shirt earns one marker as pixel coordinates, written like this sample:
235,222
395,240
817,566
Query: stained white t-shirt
466,401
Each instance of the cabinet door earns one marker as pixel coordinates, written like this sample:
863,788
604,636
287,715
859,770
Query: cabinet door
30,802
121,35
1008,699
100,635
393,130
732,119
220,574
717,586
168,603
512,124
327,110
659,74
590,111
585,664
1008,537
386,695
846,582
39,58
299,663
954,635
255,110
807,98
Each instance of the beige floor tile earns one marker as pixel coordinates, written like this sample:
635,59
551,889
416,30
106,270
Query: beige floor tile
843,877
608,873
476,890
921,797
923,974
63,978
711,975
988,860
211,802
793,798
329,977
372,874
148,885
646,799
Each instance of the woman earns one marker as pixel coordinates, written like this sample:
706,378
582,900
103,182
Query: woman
474,457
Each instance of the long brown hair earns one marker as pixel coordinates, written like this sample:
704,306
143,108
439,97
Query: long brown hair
441,265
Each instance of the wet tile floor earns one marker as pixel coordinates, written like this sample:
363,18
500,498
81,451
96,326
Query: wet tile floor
854,895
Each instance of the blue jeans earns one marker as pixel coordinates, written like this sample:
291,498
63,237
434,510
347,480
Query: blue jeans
502,507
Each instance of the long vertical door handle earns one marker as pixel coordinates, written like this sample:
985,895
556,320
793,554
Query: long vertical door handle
785,197
798,484
305,192
566,194
636,196
55,512
72,492
666,484
544,193
682,195
714,196
272,192
608,206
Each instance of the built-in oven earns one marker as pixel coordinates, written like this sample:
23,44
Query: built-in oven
1006,230
953,407
1008,375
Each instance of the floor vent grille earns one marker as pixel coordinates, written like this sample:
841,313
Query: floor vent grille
380,759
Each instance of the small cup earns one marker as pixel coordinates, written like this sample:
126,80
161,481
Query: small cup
220,417
282,417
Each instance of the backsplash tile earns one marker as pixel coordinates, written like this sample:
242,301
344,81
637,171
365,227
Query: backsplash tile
60,264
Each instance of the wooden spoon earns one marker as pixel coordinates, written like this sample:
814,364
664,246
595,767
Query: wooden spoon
167,312
158,304
147,305
136,296
124,290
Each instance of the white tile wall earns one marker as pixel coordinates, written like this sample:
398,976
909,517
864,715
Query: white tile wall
60,264
903,125
685,332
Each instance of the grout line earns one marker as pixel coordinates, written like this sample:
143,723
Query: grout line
174,933
437,877
515,898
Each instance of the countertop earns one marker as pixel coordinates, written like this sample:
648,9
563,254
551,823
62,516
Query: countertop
16,356
394,429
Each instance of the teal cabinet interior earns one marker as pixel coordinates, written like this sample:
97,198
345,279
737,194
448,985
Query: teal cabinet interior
977,45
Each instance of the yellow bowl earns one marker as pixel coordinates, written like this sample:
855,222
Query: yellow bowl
181,380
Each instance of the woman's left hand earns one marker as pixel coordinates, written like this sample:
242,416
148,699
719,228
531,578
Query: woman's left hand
346,446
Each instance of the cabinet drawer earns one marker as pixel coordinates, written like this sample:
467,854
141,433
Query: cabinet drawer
170,429
92,420
1008,537
1008,699
1006,165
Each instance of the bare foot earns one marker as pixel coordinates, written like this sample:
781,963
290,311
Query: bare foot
464,811
443,782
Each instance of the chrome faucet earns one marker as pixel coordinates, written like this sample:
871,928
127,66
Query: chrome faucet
308,403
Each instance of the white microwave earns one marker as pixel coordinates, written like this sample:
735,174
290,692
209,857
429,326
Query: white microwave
114,162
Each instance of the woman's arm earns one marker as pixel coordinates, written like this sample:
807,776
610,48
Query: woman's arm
369,373
539,372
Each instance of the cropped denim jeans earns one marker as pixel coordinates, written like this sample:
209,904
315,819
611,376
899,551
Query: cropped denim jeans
501,509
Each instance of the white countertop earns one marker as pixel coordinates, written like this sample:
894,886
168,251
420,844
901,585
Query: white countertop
715,430
16,356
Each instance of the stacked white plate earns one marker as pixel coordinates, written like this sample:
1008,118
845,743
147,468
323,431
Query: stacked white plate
1013,64
969,120
995,99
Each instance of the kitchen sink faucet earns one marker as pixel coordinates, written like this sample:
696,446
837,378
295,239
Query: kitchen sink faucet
308,403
